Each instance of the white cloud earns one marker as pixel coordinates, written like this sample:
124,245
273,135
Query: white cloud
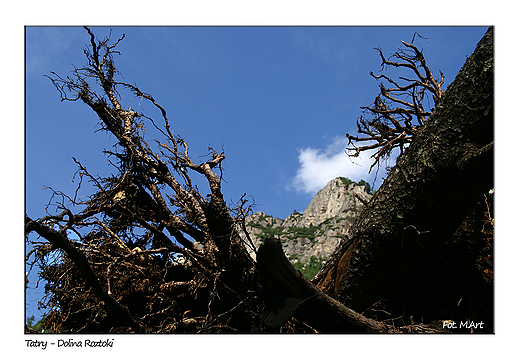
318,166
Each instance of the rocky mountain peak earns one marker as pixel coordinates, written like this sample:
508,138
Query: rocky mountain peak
319,230
337,197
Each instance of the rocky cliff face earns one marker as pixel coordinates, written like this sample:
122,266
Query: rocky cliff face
320,228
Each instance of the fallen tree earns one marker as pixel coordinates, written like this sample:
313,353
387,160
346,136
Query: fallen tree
421,251
404,254
149,253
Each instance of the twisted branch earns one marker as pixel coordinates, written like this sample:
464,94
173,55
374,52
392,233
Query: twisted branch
397,113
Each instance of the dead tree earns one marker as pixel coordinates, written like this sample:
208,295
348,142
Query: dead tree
421,253
398,112
148,253
410,253
120,262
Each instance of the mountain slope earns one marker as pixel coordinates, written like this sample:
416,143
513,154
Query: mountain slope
320,228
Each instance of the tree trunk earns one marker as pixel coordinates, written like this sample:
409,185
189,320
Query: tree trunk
401,243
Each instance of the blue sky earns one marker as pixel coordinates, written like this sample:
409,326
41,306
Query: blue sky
277,100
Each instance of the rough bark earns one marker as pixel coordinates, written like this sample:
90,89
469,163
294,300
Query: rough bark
402,237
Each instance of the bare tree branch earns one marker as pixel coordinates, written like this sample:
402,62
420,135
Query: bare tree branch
151,204
59,240
397,113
